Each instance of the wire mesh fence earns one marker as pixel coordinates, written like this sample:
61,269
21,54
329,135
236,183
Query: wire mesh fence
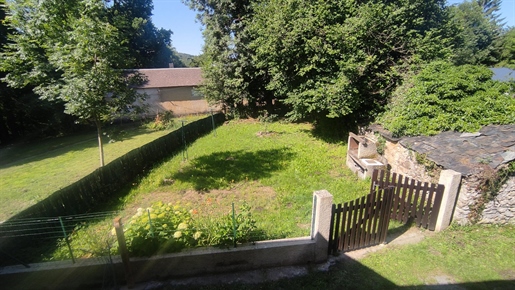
150,231
25,241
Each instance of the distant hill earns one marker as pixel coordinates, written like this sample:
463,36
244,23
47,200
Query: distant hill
188,60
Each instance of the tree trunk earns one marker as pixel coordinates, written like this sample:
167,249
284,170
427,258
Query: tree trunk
100,145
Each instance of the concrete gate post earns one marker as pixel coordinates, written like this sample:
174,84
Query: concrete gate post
451,180
321,223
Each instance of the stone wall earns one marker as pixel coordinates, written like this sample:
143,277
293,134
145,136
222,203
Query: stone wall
401,160
500,210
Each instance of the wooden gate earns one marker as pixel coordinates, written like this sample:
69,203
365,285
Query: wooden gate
364,222
413,200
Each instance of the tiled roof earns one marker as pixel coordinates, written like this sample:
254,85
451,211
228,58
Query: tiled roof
493,145
171,77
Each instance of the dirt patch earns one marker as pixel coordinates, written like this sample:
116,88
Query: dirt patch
217,201
508,274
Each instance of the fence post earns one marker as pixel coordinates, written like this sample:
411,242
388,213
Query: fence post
122,247
66,239
321,223
451,180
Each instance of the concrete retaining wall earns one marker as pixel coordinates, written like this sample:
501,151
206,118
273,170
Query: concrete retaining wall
93,273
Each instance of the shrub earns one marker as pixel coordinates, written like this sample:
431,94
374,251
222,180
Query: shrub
220,232
171,228
162,121
163,227
443,97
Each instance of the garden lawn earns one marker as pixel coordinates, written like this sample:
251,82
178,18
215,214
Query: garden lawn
275,168
31,172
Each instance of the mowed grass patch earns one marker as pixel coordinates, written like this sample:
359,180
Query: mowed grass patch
31,172
471,257
274,168
468,255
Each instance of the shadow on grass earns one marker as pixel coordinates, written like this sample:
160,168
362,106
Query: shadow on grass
23,153
221,169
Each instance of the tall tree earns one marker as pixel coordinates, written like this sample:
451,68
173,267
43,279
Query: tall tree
491,9
68,51
230,77
148,46
507,56
331,59
477,40
22,113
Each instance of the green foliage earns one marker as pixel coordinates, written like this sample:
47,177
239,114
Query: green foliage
171,228
162,121
87,240
149,47
163,227
230,77
316,56
71,53
380,144
476,39
443,97
507,57
220,232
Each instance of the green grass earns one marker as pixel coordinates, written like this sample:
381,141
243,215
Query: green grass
275,172
471,257
31,172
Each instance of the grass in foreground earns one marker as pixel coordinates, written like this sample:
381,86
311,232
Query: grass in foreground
31,172
470,257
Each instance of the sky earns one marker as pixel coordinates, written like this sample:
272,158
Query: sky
187,31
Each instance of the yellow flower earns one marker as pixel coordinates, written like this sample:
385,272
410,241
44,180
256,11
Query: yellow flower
182,226
197,235
165,226
177,234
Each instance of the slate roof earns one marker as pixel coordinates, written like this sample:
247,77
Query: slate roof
463,152
171,77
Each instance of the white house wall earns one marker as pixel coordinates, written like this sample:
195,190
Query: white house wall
180,101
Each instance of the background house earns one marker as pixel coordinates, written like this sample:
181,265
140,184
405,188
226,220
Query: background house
173,89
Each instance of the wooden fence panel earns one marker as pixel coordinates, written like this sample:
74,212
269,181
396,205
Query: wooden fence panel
413,199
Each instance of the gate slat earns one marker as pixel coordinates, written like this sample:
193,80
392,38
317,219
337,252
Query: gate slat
429,203
421,205
414,203
343,224
386,207
352,231
377,212
362,222
409,201
404,185
374,184
370,213
395,205
332,235
335,220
